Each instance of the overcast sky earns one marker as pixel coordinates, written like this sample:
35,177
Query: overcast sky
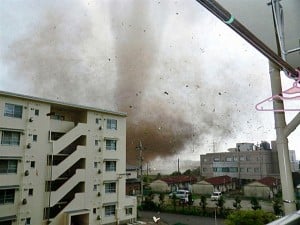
156,60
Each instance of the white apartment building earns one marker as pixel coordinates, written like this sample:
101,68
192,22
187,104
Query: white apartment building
62,164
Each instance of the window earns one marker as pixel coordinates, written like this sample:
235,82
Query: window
111,145
95,187
27,221
233,169
225,169
256,170
30,191
242,170
242,158
249,170
7,222
204,169
110,210
229,159
95,164
111,124
12,110
32,164
10,138
96,142
7,196
36,112
110,165
110,187
94,210
128,211
97,120
217,159
8,166
34,137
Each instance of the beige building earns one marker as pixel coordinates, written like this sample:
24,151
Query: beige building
62,164
245,162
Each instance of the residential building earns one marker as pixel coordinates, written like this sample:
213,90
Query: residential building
179,182
245,162
62,164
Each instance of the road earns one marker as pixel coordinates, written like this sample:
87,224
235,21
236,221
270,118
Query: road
171,219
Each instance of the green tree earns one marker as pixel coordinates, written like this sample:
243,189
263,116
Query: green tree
249,217
237,203
255,204
175,173
220,204
187,172
203,203
277,206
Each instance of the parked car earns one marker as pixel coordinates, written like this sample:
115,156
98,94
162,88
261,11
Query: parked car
216,195
179,194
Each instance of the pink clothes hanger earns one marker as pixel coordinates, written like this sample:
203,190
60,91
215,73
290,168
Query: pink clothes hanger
292,93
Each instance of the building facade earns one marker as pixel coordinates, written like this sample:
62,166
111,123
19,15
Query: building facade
245,162
62,164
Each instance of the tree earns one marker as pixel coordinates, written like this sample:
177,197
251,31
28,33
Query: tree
187,172
237,203
220,204
249,217
277,206
161,200
255,204
203,203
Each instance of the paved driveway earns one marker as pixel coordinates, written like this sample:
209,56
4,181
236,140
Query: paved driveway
171,219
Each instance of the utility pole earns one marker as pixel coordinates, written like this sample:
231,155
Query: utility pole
140,149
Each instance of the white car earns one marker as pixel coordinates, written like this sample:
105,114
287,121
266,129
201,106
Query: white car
180,194
216,195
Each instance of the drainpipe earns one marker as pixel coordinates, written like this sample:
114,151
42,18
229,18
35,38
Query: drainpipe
288,195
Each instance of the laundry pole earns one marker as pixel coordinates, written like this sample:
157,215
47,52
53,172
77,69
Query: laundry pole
288,195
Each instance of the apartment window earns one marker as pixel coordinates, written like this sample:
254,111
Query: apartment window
235,158
229,159
28,221
128,211
8,222
233,169
242,170
217,159
110,210
249,170
110,187
94,210
30,191
110,165
95,164
96,142
32,164
95,187
10,138
256,170
204,169
36,112
111,124
7,196
111,145
8,166
98,120
12,110
34,138
225,169
242,158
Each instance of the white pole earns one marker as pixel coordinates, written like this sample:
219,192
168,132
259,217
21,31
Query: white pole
288,195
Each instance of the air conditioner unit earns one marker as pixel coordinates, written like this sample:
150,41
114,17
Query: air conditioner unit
100,128
99,149
31,119
28,145
26,173
24,201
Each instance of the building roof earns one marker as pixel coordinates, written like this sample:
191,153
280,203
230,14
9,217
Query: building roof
179,179
269,181
219,180
15,95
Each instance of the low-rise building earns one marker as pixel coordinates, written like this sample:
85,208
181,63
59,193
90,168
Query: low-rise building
265,188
